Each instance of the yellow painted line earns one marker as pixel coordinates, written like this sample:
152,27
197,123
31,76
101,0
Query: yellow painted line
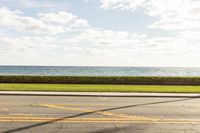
97,120
75,121
105,113
84,110
104,121
86,105
71,105
50,118
120,118
84,118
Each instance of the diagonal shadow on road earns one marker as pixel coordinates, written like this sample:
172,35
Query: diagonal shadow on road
88,113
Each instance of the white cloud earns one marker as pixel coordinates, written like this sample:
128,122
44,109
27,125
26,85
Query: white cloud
174,14
102,38
190,35
153,7
173,24
29,4
21,44
64,17
47,23
79,23
120,47
121,4
59,17
16,20
97,46
28,50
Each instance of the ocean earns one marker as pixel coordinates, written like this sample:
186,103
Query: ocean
98,71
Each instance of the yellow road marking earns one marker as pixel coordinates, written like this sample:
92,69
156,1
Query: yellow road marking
97,120
119,118
86,110
72,105
122,122
85,105
50,118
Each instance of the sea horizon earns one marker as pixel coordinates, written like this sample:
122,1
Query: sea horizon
97,66
98,70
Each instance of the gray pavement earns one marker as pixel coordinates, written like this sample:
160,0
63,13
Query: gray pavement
103,114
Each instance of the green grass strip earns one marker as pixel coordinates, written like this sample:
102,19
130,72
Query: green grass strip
98,88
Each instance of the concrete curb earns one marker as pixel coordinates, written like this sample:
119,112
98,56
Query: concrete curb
100,94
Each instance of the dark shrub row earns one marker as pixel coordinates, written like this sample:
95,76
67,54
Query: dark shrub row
102,80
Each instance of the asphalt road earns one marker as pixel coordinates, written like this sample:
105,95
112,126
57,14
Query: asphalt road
76,114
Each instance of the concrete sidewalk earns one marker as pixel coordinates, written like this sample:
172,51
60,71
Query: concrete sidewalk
100,94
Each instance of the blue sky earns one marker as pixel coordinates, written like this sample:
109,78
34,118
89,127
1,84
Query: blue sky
100,32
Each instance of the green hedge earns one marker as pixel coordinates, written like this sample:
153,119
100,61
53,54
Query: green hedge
102,80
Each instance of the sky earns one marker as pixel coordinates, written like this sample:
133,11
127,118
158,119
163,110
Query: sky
150,33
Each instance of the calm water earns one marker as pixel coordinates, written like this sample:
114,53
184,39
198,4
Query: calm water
98,71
